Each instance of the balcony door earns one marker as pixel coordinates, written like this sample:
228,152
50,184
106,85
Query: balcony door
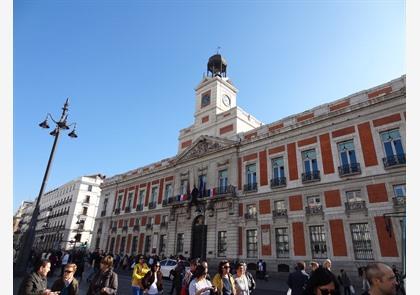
199,238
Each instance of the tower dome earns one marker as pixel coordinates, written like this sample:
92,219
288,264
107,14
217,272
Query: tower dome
217,66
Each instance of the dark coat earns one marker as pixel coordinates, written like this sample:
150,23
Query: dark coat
148,280
108,280
33,284
73,288
297,281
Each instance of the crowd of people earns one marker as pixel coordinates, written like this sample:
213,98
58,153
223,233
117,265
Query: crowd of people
231,278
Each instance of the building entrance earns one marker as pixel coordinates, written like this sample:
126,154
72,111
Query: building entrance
199,238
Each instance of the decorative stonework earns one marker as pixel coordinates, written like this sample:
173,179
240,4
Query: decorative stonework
202,148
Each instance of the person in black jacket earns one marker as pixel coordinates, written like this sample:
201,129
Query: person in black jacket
321,282
67,285
36,282
153,280
297,280
105,281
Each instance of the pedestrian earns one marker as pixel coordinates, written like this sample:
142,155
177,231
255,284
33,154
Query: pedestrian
139,271
125,262
200,285
153,280
321,282
313,266
67,285
251,282
327,265
64,260
298,279
262,270
105,280
189,275
223,280
241,280
400,281
381,279
36,282
178,274
344,281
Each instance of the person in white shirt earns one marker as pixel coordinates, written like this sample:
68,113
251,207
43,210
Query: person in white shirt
153,280
200,285
241,280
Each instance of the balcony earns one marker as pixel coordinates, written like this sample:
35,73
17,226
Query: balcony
251,187
278,213
149,226
278,182
152,205
311,176
314,210
225,190
117,211
251,216
164,203
394,161
127,209
103,213
355,206
399,201
350,169
125,228
136,227
139,207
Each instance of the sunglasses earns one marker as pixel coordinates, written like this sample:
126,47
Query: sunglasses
226,267
327,291
68,271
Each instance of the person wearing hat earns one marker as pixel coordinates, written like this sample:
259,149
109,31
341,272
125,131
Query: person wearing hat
139,271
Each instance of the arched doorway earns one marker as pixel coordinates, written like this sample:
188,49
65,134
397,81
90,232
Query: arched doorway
199,238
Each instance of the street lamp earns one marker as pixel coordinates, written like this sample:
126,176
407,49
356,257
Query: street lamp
28,239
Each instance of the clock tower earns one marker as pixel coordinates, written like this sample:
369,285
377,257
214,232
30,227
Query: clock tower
216,113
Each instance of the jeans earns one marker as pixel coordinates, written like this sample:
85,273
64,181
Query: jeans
136,290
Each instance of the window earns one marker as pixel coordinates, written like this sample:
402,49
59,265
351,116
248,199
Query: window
314,201
142,194
154,195
85,209
105,204
354,196
223,180
122,245
399,190
348,158
134,245
180,243
310,165
89,188
202,184
251,211
184,186
150,220
111,245
251,243
318,241
277,165
87,199
280,205
205,99
126,223
162,244
119,200
362,243
165,219
251,173
129,199
147,244
282,242
168,191
394,151
221,244
137,221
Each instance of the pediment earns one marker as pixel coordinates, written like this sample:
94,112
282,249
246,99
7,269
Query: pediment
204,145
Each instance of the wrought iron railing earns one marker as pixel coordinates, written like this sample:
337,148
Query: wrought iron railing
314,210
349,169
139,207
311,176
278,182
251,187
117,211
394,161
280,213
355,206
152,205
250,216
398,201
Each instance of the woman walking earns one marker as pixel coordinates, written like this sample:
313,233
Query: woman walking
153,280
139,271
105,280
223,280
241,280
200,285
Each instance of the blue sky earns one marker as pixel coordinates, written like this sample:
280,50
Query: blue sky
130,69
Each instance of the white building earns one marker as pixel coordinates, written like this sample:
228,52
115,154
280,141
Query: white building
67,214
21,220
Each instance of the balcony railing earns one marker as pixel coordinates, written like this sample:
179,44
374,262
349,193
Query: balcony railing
136,227
139,207
251,187
311,176
149,226
355,206
278,182
314,210
349,169
127,209
399,201
250,216
125,228
164,203
152,205
117,211
224,190
279,213
103,212
394,161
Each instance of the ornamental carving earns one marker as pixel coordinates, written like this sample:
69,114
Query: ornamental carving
202,148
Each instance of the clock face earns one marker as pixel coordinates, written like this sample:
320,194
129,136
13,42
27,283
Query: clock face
226,100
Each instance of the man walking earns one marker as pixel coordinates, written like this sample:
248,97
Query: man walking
344,281
298,279
381,279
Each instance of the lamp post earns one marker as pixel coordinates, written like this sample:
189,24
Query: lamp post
28,239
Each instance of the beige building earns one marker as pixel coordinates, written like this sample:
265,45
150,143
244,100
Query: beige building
325,183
